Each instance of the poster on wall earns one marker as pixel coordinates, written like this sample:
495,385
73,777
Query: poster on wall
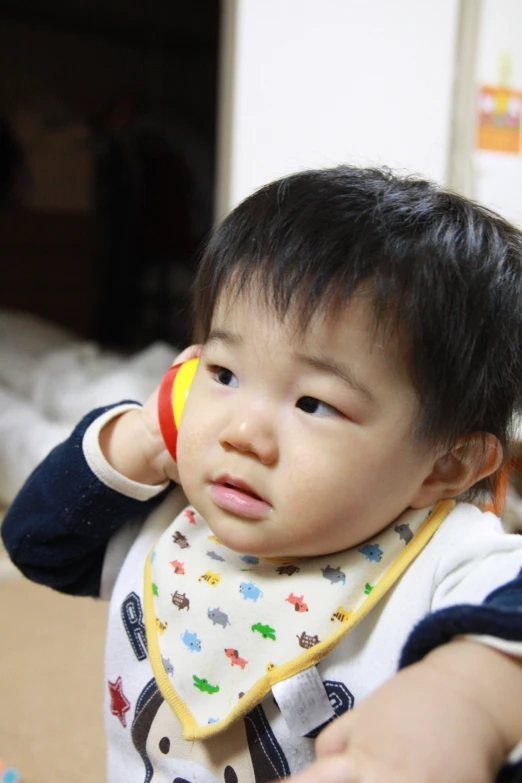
499,120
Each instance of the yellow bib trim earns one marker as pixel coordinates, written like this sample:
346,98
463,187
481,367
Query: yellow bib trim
295,661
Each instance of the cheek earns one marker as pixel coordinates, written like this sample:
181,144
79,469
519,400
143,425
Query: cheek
315,482
330,483
193,441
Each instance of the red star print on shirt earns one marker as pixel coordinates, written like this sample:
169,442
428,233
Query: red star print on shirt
119,702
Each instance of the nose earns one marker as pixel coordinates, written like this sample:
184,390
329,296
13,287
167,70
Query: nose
251,430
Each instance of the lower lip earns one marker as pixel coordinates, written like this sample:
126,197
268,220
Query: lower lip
240,503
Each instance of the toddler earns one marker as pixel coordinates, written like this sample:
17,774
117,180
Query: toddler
359,337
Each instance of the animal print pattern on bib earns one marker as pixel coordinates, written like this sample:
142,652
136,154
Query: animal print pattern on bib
223,627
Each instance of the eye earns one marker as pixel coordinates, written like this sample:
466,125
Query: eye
223,376
312,405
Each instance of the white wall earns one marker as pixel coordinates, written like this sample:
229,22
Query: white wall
318,82
500,35
498,175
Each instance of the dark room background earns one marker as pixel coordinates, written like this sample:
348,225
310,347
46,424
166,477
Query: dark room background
107,145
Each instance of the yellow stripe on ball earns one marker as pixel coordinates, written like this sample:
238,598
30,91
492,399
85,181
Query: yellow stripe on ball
182,384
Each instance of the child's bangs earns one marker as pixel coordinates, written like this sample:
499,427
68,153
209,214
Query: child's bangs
298,288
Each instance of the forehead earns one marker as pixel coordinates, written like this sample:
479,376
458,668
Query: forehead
346,330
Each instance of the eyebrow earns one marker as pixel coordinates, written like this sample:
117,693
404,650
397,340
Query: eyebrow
331,367
223,336
327,366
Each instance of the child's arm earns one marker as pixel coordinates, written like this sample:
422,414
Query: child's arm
57,529
453,717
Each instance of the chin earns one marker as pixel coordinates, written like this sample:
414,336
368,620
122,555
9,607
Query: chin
240,544
243,544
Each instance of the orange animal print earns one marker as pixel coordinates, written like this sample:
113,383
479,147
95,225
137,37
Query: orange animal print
298,602
235,660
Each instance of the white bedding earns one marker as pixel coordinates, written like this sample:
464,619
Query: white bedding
49,379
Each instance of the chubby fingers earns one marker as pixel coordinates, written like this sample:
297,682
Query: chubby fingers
335,738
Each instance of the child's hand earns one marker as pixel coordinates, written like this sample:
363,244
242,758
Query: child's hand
132,443
453,717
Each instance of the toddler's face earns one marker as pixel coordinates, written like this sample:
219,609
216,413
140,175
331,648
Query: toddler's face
299,444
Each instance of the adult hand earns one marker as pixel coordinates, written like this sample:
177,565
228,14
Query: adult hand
452,717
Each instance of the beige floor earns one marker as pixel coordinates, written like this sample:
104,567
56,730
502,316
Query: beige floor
51,684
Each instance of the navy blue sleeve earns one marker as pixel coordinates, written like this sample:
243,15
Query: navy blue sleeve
499,615
57,529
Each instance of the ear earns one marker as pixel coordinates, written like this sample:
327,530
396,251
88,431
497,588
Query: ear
472,459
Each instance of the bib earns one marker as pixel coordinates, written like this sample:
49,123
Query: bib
222,628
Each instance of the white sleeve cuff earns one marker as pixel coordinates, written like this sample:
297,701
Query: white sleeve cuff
105,472
502,645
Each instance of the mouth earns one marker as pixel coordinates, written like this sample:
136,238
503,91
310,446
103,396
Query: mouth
237,497
237,484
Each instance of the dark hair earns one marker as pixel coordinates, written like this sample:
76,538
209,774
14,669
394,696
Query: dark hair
442,270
